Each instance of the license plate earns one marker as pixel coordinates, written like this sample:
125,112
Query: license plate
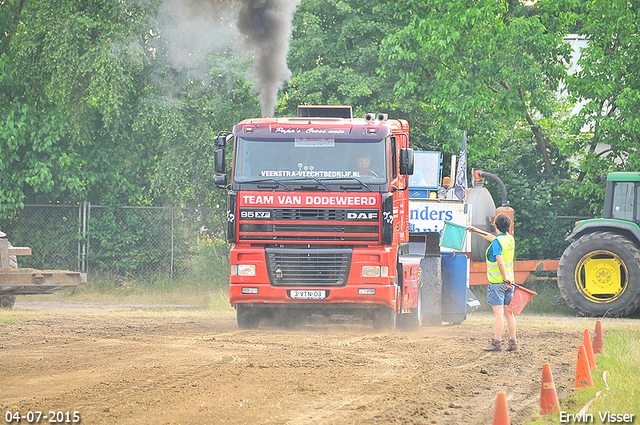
308,295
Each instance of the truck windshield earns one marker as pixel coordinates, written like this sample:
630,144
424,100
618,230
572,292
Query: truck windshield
315,159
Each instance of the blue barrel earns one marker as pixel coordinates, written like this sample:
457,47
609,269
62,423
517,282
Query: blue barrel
455,268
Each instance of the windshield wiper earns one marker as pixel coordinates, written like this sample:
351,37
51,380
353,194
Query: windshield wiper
277,183
315,179
363,184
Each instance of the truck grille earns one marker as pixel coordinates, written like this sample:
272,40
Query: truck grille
309,214
308,267
309,224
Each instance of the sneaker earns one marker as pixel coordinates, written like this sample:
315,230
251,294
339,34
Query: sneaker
512,345
496,345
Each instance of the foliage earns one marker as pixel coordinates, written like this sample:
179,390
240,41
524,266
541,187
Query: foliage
33,157
494,69
143,243
94,110
334,56
537,197
477,65
124,244
68,81
606,82
187,126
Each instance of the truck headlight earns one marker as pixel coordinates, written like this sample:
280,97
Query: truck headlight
375,271
243,270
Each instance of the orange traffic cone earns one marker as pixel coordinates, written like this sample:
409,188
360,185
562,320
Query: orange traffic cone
598,345
548,397
501,414
586,341
583,372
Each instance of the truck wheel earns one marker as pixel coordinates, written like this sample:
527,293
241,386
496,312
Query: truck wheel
247,317
599,275
412,321
385,319
7,301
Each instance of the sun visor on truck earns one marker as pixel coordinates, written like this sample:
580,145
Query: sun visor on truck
351,132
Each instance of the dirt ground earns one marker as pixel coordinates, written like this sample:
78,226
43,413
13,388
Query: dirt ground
190,367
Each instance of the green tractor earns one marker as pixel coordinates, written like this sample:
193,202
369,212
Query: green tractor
599,273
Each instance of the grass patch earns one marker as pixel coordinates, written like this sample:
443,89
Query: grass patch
114,290
616,379
13,316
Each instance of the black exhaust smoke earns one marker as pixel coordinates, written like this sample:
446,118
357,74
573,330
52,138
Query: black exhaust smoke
193,29
266,26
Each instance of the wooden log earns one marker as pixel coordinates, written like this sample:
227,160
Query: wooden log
10,276
19,250
4,253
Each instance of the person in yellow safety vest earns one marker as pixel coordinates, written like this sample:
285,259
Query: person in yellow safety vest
500,256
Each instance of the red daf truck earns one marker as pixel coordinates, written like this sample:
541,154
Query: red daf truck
318,220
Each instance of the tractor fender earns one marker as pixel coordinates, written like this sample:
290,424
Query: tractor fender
625,228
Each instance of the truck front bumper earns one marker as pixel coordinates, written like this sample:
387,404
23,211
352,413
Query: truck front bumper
366,296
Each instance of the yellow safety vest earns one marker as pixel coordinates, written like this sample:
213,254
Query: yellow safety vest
508,253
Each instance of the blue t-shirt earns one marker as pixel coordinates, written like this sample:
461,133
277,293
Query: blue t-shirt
494,249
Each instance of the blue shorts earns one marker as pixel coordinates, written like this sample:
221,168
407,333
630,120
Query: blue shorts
499,294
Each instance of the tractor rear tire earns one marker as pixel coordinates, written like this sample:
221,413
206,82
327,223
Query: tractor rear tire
599,275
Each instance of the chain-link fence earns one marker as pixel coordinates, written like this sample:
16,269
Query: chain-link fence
133,242
152,242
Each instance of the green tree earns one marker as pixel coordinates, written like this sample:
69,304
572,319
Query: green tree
333,56
494,69
70,80
476,65
608,124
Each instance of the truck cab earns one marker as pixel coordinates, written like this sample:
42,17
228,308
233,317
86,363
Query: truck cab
318,215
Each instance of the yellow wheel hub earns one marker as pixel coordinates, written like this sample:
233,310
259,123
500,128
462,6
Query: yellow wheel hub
601,276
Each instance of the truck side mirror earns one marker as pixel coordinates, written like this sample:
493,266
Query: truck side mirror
220,141
219,163
220,180
406,162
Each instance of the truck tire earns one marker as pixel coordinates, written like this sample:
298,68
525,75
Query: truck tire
385,319
247,317
412,321
7,301
599,275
